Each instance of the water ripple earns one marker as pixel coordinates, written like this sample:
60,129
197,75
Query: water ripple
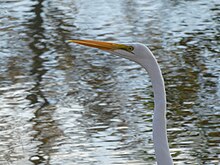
65,104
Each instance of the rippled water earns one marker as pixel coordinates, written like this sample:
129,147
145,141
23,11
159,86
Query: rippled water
67,104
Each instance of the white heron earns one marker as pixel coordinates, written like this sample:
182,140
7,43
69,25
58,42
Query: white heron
140,54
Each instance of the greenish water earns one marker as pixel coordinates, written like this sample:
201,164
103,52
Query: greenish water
67,104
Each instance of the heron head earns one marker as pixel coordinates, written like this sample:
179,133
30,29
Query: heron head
131,51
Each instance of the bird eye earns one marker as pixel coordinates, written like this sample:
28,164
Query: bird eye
130,48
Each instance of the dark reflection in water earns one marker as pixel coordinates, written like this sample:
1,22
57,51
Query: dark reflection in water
66,104
43,123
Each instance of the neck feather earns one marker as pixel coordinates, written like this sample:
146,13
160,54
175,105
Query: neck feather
161,146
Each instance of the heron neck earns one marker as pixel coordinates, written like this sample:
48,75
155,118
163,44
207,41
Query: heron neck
160,140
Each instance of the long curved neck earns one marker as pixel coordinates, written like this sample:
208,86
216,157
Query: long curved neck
161,146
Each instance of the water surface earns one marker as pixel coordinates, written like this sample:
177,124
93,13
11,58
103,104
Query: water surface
67,104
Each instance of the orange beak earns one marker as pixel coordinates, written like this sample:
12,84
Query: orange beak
108,46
